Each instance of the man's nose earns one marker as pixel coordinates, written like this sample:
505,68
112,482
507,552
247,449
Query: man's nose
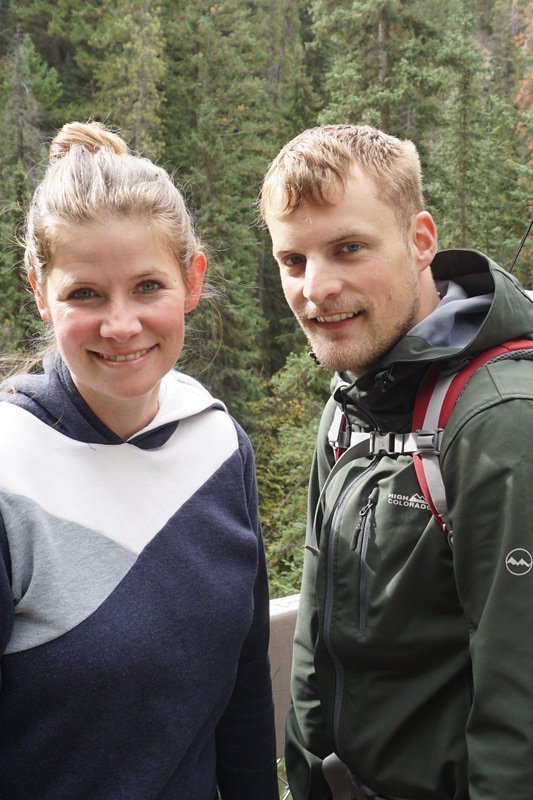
322,280
121,321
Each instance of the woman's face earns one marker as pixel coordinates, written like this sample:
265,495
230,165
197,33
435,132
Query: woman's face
116,298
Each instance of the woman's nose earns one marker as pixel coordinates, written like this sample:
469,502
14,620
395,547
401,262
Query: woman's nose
121,321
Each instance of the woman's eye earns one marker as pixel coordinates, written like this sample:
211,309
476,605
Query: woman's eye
148,286
81,294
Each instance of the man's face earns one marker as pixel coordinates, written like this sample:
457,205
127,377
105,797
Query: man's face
352,274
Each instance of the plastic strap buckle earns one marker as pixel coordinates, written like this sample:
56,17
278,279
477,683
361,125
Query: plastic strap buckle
382,442
429,441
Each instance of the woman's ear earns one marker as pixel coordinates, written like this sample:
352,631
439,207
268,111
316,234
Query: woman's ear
39,299
195,279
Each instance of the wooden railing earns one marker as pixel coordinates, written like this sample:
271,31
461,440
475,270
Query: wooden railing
282,619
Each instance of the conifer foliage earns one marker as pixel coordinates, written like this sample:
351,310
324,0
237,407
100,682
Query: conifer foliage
213,90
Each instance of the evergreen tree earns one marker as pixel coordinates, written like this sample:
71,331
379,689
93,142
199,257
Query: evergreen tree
382,64
293,106
222,126
28,86
109,56
523,102
129,71
221,156
477,180
284,435
61,33
500,22
26,82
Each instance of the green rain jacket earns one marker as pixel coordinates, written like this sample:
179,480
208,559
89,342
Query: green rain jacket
412,661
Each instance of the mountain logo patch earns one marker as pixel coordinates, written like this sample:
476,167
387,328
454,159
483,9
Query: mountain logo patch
519,561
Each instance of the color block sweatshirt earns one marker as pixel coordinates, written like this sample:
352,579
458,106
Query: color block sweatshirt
134,603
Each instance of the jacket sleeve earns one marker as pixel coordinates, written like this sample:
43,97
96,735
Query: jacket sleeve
306,740
488,475
245,735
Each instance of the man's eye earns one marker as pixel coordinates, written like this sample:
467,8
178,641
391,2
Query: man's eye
81,294
295,260
351,247
146,287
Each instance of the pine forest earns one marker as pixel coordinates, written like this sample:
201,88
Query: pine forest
212,90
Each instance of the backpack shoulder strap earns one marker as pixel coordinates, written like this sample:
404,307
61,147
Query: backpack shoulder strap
434,403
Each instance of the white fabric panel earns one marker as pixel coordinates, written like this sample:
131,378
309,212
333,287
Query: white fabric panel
114,485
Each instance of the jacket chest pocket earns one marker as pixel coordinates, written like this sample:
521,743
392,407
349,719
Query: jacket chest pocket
372,534
351,535
361,537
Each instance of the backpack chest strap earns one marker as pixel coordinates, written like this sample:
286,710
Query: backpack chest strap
373,443
348,446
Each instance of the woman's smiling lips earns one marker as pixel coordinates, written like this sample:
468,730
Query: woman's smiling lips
120,358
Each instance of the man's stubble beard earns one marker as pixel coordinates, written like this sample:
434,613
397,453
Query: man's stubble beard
346,357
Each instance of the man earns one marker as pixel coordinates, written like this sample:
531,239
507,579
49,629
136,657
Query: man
413,661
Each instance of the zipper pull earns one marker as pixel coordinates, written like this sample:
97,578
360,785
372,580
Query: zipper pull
344,436
363,513
355,536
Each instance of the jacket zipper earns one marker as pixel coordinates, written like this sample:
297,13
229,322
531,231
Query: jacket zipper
364,529
328,602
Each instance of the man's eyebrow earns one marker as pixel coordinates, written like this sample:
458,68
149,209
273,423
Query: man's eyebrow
349,236
281,253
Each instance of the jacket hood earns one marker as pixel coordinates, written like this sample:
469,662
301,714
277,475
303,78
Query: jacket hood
54,399
482,305
493,306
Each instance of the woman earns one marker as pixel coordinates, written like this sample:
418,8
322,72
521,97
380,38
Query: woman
134,624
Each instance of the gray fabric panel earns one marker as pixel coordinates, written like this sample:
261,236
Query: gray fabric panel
62,572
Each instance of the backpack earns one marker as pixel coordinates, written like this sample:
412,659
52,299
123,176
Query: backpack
434,403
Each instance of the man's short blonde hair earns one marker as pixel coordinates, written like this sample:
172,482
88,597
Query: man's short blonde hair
320,158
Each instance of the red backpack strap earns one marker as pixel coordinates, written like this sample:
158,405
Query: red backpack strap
505,350
426,417
434,403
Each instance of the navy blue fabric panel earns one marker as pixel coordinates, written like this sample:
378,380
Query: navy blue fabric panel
53,398
246,724
4,549
125,705
7,610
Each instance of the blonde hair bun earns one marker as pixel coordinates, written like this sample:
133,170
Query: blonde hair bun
92,136
91,176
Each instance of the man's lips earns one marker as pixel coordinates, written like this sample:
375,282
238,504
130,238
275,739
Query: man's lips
336,317
326,318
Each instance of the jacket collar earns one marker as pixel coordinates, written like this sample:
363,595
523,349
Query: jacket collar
482,305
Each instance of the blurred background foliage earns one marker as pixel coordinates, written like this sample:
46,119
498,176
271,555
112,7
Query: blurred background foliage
212,91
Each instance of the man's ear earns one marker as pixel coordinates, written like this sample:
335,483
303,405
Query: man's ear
424,238
195,279
39,299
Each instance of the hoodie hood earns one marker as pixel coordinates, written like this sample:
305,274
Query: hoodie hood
482,305
54,399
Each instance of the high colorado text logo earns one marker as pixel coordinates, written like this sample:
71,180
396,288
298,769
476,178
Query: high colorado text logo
415,501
